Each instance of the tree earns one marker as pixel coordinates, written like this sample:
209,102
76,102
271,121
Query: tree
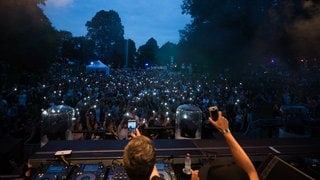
106,31
219,31
130,49
84,49
305,32
28,42
147,53
233,32
78,49
65,46
166,52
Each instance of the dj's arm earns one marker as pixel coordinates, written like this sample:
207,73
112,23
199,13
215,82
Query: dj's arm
240,156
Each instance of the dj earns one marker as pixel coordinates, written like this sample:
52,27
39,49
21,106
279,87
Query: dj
139,158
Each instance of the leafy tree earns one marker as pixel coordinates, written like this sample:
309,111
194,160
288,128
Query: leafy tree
130,49
78,49
217,33
65,46
230,33
147,53
305,32
28,41
117,55
166,52
84,49
106,31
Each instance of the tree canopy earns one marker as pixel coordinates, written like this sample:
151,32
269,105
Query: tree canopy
166,53
79,49
222,34
147,52
231,33
106,31
27,42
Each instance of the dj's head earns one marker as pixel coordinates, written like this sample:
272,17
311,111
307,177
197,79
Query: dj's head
139,158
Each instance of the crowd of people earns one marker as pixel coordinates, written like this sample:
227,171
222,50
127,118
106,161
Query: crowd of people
151,97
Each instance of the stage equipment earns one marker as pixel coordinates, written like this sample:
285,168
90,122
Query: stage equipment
117,172
188,122
276,168
53,172
56,120
89,172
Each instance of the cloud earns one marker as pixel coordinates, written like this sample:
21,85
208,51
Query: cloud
59,3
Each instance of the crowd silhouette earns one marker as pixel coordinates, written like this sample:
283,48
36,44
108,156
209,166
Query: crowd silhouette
151,97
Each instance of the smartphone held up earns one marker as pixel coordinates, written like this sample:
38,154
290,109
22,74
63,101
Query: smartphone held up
132,125
214,112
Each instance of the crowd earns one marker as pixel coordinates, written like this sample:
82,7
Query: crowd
105,102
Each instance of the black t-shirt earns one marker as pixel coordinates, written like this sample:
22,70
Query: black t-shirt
226,172
156,178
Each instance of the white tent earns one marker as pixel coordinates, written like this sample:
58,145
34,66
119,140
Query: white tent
98,66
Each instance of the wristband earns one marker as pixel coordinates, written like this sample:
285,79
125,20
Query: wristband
225,131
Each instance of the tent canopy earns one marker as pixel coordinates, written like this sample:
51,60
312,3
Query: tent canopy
98,66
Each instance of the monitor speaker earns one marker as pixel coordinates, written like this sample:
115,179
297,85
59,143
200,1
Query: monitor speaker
276,168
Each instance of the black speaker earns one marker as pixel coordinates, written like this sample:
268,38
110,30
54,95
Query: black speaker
276,168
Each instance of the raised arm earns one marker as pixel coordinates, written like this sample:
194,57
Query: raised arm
240,156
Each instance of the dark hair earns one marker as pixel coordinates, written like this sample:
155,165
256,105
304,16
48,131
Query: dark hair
139,158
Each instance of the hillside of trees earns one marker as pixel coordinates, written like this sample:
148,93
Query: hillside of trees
222,35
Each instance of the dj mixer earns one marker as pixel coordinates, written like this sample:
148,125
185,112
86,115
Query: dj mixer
95,172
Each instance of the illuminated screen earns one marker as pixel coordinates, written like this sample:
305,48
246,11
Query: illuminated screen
160,166
131,124
91,167
55,168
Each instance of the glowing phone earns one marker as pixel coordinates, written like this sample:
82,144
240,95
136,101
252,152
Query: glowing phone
214,112
132,125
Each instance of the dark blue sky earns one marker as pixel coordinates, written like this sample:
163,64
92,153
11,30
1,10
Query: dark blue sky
142,19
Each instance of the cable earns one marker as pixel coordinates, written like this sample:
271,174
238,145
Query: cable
68,162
